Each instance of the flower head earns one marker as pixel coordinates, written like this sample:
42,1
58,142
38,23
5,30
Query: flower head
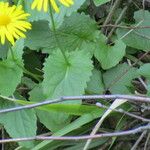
43,4
12,23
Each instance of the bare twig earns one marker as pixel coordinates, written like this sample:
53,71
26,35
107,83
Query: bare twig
3,137
119,19
68,98
113,9
140,79
125,27
113,97
147,140
143,3
143,83
124,112
30,106
139,140
109,86
144,108
131,30
85,137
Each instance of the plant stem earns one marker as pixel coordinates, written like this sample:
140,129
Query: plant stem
111,13
57,41
119,19
12,53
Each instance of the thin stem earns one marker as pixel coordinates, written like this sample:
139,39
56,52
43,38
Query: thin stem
123,112
3,137
139,140
131,30
119,19
118,78
68,98
147,141
12,53
112,11
77,138
54,30
52,19
29,73
127,26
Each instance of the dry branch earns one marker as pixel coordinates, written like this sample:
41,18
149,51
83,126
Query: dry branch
85,137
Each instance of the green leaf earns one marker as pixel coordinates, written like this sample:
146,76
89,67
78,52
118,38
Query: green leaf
37,95
10,77
145,70
70,127
95,143
109,56
47,118
139,39
95,85
19,124
28,82
100,2
10,73
17,51
61,79
33,40
118,79
77,31
73,109
45,113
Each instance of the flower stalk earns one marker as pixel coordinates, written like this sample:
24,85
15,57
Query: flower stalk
54,30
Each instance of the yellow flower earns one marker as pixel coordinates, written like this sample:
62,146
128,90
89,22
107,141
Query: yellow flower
12,23
43,4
